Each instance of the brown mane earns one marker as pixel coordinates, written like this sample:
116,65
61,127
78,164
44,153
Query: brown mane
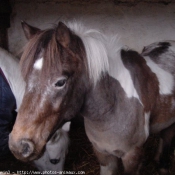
34,47
52,51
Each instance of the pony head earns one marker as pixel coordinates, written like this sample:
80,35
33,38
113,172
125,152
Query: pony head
54,68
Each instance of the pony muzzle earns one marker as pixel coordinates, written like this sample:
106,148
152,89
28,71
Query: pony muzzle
22,149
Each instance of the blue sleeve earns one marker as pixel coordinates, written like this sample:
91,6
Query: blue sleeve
7,117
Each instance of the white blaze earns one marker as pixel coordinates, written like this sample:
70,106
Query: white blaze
38,64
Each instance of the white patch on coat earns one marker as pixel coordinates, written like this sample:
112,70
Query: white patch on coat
38,64
146,125
166,81
117,69
126,81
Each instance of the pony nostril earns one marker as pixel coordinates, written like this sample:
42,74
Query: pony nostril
54,161
26,148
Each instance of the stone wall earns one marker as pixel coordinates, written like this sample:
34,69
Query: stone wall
137,25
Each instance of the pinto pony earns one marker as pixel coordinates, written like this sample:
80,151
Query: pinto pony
123,96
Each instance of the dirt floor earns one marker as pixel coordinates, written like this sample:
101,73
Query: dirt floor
82,159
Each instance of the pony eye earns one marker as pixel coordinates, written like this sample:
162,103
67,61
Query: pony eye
61,82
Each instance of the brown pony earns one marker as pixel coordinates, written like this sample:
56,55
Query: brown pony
122,95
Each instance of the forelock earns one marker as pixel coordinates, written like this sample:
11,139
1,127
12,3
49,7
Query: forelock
42,45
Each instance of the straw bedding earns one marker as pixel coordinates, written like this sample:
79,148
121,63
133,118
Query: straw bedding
81,157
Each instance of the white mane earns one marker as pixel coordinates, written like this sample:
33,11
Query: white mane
103,55
96,52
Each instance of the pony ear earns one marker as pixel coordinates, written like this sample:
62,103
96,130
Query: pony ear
66,126
29,30
63,34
